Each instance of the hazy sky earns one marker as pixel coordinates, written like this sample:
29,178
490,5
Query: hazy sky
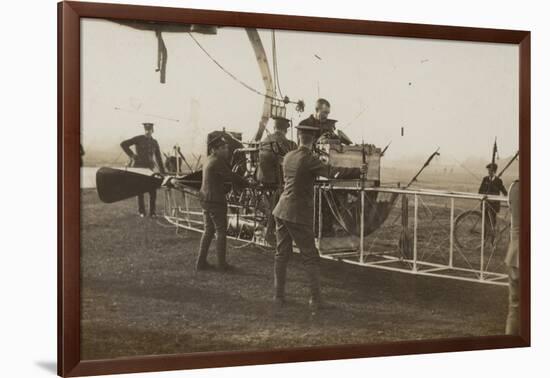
456,95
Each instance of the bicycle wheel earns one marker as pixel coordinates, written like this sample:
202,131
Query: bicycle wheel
467,230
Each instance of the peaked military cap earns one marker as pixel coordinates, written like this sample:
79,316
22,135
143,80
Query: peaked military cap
217,142
307,129
281,122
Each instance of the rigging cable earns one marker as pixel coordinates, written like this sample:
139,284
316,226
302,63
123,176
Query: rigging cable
250,88
464,167
275,64
355,118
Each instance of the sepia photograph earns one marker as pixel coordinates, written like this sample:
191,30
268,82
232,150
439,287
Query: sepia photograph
248,189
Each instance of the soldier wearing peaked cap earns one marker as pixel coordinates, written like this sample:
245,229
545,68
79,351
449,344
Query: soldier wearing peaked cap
491,185
273,149
146,155
294,213
215,176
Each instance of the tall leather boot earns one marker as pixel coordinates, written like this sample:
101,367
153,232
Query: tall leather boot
202,263
280,280
315,301
221,252
153,204
279,284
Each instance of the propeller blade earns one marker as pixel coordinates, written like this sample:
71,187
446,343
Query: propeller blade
115,185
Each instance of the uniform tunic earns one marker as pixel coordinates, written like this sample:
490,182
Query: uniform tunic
300,168
147,151
215,174
270,174
272,151
324,126
492,186
294,215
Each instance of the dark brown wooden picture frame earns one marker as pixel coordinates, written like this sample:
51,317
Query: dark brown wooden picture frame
69,15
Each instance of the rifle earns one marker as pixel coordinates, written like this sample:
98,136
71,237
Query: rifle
385,148
436,153
495,151
509,164
364,159
184,160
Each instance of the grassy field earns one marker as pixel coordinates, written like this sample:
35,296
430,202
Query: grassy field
140,296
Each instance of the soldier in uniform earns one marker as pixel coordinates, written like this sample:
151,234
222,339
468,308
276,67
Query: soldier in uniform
325,133
325,127
273,148
215,176
146,155
512,261
491,185
294,213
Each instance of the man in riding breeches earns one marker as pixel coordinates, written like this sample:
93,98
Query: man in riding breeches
294,213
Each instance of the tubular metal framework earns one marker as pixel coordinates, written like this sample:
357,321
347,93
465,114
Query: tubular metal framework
447,232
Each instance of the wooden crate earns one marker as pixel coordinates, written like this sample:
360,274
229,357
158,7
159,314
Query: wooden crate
352,157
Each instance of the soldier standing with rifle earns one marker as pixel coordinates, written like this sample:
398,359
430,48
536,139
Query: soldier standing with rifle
216,174
147,155
294,213
273,148
492,185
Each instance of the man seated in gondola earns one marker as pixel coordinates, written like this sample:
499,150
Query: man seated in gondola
326,126
324,130
491,185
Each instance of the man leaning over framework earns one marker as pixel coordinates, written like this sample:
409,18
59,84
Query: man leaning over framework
294,213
